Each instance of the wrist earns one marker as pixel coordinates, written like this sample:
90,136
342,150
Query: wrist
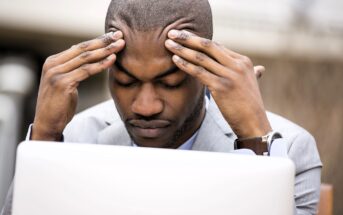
43,133
261,145
254,129
253,124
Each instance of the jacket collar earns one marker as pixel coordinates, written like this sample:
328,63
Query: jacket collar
214,134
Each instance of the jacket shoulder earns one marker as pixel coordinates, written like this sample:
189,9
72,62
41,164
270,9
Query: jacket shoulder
86,125
105,111
285,126
302,147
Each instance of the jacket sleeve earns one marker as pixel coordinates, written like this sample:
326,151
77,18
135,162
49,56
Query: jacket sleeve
303,151
7,209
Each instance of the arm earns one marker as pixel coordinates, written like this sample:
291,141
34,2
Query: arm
58,94
304,154
230,78
233,85
62,74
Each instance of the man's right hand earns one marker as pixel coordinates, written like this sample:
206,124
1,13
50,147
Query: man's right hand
61,75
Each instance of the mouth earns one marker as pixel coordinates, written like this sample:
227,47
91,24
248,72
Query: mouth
149,129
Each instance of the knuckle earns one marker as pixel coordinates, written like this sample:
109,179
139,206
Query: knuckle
225,84
240,66
49,62
111,47
200,57
246,61
206,43
86,69
75,47
183,36
51,58
178,47
56,81
103,62
222,86
199,71
85,55
82,46
183,62
51,72
48,75
106,39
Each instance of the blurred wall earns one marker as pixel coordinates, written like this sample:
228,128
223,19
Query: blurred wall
299,41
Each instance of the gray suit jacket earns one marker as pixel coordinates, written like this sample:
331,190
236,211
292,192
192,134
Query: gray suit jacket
101,124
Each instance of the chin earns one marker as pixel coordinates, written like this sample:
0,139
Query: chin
152,143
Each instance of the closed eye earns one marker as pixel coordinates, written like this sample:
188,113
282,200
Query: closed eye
126,84
172,86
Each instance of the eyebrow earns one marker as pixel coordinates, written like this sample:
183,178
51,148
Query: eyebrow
169,71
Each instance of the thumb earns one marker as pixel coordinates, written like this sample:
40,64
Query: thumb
259,71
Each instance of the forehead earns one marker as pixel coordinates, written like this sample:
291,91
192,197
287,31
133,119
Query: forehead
145,55
145,45
151,40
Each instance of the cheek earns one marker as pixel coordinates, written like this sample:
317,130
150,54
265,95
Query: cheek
181,102
122,100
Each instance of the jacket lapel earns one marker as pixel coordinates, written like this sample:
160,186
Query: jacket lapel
114,134
214,134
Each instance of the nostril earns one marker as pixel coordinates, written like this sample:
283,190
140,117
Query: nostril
147,110
147,118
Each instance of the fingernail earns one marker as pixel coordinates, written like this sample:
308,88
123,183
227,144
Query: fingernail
176,58
117,35
120,42
111,57
170,43
173,34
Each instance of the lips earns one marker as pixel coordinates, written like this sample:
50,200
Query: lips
149,129
152,124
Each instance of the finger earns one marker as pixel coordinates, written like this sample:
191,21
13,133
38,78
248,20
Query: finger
198,72
76,50
219,53
197,58
259,70
91,57
88,70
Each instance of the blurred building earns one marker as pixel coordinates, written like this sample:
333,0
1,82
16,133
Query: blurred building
299,41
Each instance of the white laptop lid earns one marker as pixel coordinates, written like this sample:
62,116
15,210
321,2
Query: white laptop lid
71,179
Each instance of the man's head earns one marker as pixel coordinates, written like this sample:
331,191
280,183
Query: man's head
160,105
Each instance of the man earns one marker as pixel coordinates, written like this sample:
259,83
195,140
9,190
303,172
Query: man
160,58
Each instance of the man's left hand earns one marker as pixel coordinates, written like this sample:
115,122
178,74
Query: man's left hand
230,77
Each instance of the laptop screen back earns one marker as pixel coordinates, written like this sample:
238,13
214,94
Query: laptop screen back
60,178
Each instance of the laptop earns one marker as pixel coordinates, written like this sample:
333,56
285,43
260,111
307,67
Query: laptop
71,179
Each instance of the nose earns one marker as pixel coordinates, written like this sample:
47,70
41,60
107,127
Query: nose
147,102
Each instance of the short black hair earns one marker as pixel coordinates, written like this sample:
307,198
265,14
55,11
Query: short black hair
148,15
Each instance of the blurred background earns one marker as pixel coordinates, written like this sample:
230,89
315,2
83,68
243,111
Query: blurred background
300,42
